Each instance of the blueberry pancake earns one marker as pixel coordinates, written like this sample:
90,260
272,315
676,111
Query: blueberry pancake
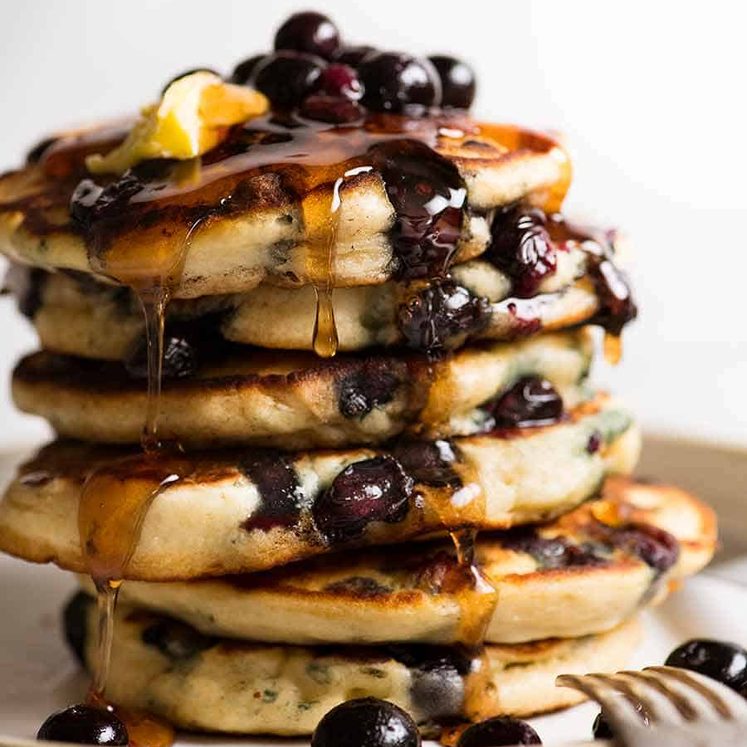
204,683
574,576
254,210
498,297
246,510
237,395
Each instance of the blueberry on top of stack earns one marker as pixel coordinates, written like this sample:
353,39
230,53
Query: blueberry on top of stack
316,343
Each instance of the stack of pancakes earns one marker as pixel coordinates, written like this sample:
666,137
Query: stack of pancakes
439,515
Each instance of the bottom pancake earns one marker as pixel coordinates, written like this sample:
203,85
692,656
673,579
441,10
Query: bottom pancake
204,683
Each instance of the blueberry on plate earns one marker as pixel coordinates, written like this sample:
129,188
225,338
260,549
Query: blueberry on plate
396,82
84,724
366,722
498,731
722,661
309,32
600,729
287,78
458,83
243,73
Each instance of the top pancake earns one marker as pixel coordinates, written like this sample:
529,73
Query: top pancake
258,206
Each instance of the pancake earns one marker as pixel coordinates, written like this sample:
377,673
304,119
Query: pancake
77,316
211,684
258,206
238,395
574,576
240,511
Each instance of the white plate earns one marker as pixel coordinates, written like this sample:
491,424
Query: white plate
38,676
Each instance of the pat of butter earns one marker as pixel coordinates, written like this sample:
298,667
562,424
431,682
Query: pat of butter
192,117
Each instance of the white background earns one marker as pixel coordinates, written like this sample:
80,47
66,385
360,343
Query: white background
650,95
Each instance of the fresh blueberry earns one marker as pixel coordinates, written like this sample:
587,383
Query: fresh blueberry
722,661
498,731
287,78
83,724
396,82
309,32
366,722
243,73
457,81
371,490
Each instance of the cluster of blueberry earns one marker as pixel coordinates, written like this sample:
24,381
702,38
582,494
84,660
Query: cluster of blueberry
369,722
313,71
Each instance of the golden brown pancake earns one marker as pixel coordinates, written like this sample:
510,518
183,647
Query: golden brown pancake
574,576
257,207
242,510
211,684
75,315
297,400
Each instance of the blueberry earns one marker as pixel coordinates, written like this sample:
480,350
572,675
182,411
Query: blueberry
371,490
287,78
430,462
341,80
457,81
243,73
189,72
600,728
353,56
722,661
654,546
331,109
429,199
372,386
441,316
531,401
366,722
309,32
521,247
396,82
84,724
498,731
179,358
